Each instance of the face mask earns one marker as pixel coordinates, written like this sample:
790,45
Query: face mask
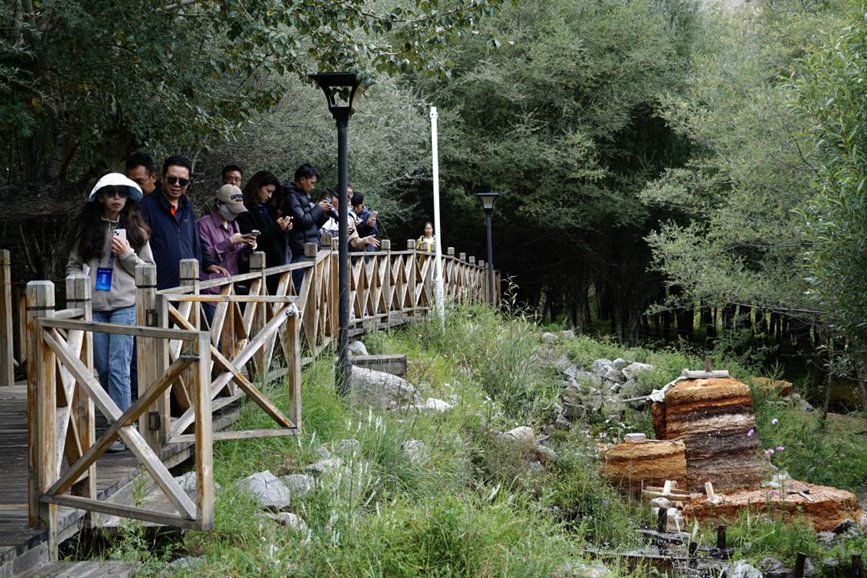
227,214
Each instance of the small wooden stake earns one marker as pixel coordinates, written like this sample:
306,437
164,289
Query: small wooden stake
662,520
721,537
857,566
800,562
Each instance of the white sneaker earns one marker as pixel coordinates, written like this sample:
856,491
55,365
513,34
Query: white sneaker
116,447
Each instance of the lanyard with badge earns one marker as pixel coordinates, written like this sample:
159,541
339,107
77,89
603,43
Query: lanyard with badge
103,274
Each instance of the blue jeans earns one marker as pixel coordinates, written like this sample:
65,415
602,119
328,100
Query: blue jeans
112,355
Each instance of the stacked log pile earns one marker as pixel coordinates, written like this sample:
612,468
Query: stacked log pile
634,466
714,418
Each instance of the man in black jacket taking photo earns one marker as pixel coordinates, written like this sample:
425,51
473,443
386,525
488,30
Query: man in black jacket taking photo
307,216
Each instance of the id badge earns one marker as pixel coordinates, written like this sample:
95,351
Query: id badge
103,279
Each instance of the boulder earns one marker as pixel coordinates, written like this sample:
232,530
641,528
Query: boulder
619,363
187,482
522,434
567,335
414,450
433,405
632,370
324,466
582,570
288,519
563,362
380,389
549,337
299,484
268,490
601,367
347,448
741,569
356,348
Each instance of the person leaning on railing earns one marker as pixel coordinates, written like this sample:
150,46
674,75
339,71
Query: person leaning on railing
110,238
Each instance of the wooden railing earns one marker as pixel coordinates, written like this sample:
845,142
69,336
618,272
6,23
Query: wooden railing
203,368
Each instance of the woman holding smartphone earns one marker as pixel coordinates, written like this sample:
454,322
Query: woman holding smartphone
261,216
110,238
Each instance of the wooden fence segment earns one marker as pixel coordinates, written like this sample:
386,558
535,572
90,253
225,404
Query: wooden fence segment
205,370
7,341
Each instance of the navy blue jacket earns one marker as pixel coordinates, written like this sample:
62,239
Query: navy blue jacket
172,237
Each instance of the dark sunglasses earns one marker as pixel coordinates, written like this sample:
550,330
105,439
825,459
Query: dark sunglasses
177,181
121,192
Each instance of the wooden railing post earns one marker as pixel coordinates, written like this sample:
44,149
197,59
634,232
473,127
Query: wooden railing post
413,275
461,294
472,280
201,397
292,351
387,297
79,296
189,277
153,355
7,341
41,410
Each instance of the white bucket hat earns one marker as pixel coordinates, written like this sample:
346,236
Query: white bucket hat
115,179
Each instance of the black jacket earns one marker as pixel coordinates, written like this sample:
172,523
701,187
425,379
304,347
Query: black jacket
272,240
307,217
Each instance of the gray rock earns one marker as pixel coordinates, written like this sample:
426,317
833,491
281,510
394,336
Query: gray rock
632,370
522,434
568,334
288,519
323,453
548,337
323,466
546,454
185,563
433,405
614,374
588,378
187,482
380,389
830,564
741,569
582,570
630,389
347,448
826,538
563,362
414,450
299,484
773,568
571,372
619,363
356,348
268,490
601,366
805,406
563,423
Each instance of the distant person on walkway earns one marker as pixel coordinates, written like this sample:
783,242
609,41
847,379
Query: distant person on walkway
231,175
331,225
307,216
427,242
174,234
365,218
261,216
110,238
141,170
222,238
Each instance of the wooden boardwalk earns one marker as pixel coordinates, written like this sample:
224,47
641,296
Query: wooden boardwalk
116,471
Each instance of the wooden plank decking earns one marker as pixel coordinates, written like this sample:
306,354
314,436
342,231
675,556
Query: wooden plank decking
116,471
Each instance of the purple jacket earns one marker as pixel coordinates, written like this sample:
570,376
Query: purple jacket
216,242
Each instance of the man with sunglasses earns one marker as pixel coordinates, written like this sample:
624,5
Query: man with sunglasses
174,234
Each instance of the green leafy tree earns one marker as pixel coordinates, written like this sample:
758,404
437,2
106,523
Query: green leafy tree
560,118
833,91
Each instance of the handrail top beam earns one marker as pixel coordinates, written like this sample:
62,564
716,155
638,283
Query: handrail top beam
137,330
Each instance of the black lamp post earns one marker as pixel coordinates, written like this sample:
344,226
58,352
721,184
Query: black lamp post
488,200
341,90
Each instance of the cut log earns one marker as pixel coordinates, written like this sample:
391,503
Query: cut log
633,467
714,418
778,387
825,508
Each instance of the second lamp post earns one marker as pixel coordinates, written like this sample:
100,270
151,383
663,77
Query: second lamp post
488,200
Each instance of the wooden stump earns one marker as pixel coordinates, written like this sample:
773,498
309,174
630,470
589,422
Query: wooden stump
714,417
634,466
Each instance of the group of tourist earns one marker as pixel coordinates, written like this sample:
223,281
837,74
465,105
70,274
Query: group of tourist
137,217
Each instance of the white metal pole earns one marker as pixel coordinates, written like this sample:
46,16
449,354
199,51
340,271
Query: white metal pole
438,232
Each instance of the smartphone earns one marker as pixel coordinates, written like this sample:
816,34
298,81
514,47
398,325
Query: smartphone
120,234
375,214
255,232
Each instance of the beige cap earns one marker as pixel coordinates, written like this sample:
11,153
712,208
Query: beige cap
233,198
